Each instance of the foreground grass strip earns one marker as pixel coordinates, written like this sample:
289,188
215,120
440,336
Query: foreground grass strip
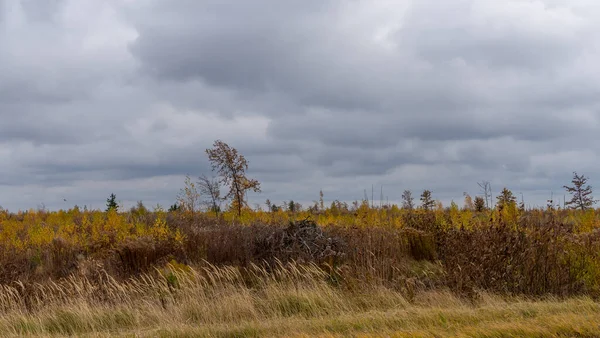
296,302
575,318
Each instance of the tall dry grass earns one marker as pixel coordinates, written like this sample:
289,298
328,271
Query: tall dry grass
284,300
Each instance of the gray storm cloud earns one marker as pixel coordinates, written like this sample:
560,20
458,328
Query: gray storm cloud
124,96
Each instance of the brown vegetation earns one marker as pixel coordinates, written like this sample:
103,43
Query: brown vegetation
533,253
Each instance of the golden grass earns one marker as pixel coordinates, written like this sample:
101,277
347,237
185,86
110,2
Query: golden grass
292,300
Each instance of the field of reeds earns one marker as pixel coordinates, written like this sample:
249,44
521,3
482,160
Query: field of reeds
336,271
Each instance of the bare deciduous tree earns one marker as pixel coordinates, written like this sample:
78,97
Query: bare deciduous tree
189,197
468,202
210,188
321,201
232,166
486,189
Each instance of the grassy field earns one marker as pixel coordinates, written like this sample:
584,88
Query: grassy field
290,300
450,272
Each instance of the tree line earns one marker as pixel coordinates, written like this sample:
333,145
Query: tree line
230,167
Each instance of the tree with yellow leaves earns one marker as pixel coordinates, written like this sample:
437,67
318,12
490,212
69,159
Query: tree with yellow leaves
231,167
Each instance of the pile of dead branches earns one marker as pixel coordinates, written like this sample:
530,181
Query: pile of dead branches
302,241
306,239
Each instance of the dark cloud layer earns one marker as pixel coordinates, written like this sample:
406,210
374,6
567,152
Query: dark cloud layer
124,96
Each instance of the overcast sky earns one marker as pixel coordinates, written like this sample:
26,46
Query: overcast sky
124,96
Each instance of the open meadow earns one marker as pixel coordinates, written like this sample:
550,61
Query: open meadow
372,271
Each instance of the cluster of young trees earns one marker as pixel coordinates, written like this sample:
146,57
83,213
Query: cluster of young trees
580,191
287,206
230,167
427,201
